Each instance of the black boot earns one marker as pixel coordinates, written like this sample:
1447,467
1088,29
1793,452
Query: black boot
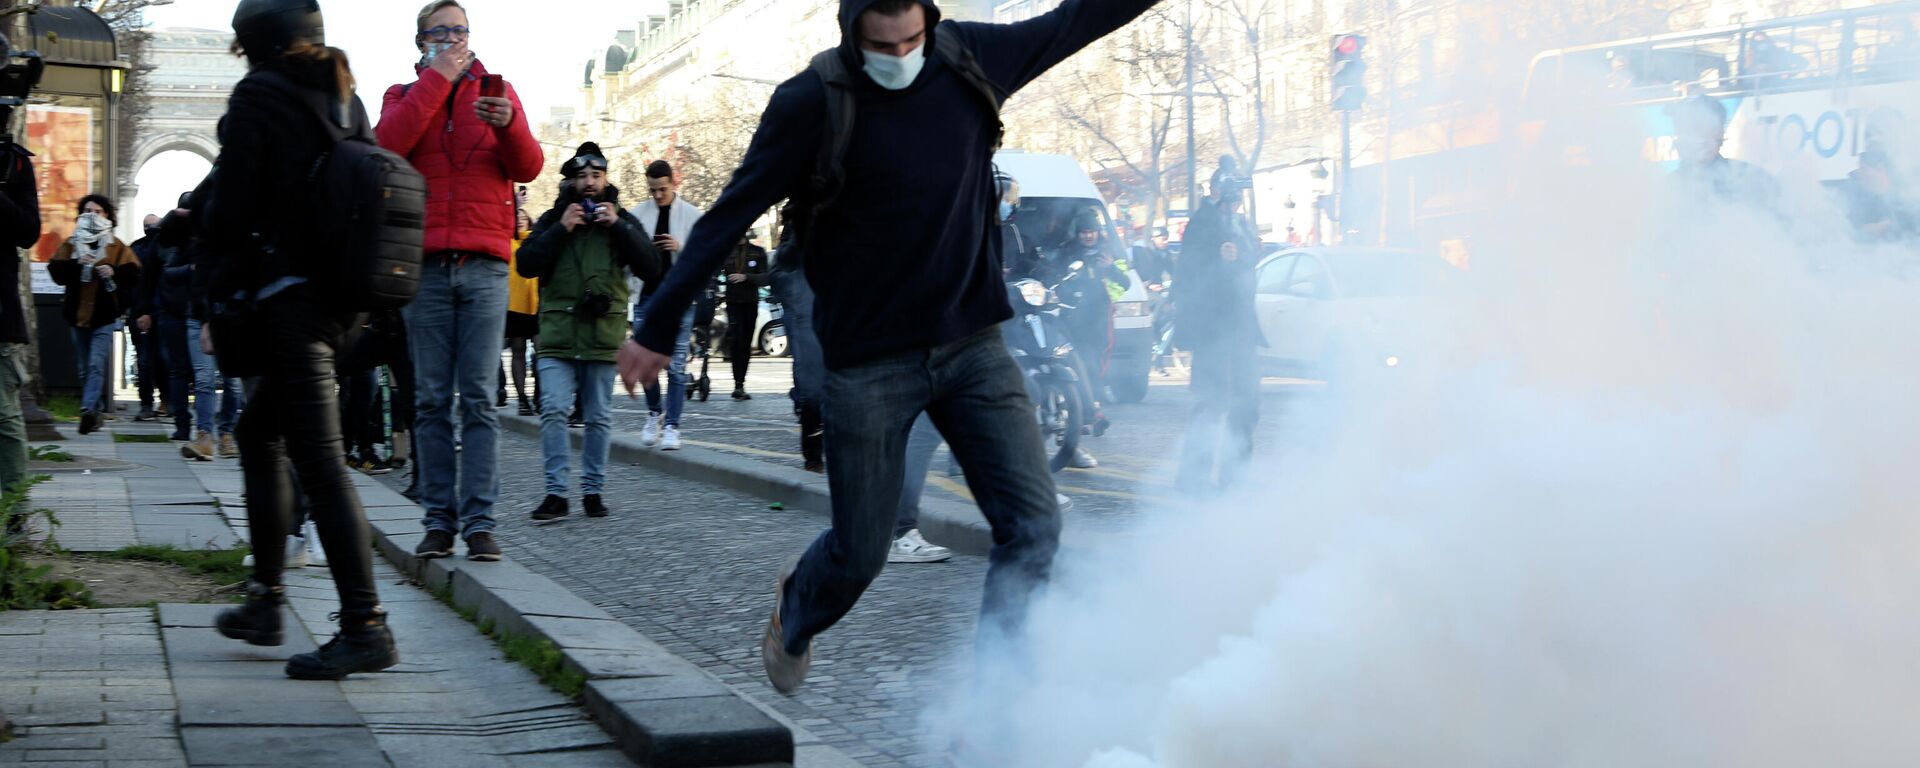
594,505
813,439
553,509
363,645
413,484
258,620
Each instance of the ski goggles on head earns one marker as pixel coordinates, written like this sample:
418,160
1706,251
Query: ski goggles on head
585,162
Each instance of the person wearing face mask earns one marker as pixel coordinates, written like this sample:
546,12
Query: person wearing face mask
471,146
905,265
582,252
100,274
1219,325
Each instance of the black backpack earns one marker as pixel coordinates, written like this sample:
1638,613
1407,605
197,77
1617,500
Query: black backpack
369,212
829,175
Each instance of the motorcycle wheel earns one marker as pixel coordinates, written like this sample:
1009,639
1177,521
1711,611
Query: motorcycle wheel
1061,415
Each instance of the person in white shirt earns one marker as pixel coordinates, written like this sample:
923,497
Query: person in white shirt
667,219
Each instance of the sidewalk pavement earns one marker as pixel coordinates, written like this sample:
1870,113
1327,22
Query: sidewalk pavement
158,687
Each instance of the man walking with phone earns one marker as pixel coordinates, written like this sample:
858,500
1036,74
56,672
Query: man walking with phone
904,258
462,127
667,218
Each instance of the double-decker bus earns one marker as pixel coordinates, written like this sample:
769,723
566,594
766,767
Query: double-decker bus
1805,94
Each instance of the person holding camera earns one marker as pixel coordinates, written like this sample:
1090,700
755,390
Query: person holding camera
582,252
101,275
1219,325
464,130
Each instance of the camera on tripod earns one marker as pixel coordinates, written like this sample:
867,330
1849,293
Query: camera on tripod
20,72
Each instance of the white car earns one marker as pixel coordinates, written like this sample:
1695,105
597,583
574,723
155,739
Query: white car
1325,310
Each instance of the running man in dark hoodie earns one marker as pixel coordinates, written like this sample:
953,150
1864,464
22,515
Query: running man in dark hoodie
905,263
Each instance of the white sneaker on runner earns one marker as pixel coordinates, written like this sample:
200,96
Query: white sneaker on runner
913,548
1064,501
1084,460
296,552
650,433
670,439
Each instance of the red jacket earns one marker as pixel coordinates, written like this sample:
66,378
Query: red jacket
470,166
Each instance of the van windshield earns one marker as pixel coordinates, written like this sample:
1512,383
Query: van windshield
1046,223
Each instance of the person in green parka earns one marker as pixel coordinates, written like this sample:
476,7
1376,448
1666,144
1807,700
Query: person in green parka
582,251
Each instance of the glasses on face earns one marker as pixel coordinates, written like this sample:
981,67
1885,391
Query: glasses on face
444,33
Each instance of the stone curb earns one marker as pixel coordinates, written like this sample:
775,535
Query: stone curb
662,710
956,526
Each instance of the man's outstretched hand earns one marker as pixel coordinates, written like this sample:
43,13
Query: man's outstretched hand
638,364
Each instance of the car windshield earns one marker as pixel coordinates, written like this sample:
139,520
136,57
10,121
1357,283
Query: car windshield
1386,273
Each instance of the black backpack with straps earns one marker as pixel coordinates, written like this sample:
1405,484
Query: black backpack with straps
829,174
368,215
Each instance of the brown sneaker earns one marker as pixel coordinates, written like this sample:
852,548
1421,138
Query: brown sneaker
482,548
229,449
201,449
785,670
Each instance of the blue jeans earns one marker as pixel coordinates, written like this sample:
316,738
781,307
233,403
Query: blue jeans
975,395
559,380
809,363
210,415
171,332
676,371
93,347
454,327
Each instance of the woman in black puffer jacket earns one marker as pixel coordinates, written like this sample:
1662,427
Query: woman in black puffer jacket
270,324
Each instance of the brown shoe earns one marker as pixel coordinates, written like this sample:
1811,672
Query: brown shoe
785,670
201,449
228,448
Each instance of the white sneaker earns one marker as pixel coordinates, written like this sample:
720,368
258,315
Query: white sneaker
316,554
912,548
1064,501
670,439
296,554
650,433
1084,460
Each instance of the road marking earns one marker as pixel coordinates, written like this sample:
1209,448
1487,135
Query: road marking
740,449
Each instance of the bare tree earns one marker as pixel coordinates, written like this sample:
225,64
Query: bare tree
1233,64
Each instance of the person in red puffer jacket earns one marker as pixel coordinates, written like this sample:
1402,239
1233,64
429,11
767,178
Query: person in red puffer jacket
472,147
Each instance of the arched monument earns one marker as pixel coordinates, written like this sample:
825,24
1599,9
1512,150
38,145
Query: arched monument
193,75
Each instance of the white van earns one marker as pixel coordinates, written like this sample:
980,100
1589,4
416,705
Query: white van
1053,191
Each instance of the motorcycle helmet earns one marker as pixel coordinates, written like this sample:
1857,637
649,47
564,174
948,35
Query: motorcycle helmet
267,28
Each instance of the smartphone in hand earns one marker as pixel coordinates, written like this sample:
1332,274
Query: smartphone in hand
493,86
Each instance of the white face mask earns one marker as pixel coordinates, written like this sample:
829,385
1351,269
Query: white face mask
895,72
433,52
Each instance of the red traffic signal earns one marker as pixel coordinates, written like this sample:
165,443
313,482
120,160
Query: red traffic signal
1348,45
1348,72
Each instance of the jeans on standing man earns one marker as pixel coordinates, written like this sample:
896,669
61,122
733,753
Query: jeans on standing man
560,381
676,373
454,327
93,348
183,370
213,413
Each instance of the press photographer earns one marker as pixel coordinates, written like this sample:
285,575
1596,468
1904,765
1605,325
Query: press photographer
581,251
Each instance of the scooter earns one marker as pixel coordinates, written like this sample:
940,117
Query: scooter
1039,343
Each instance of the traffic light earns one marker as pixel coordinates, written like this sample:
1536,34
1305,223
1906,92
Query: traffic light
1349,72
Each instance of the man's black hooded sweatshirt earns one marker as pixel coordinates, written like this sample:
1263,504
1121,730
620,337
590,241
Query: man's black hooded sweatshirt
905,257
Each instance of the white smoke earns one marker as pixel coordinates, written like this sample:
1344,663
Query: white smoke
1656,507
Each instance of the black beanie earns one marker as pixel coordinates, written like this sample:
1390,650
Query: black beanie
587,150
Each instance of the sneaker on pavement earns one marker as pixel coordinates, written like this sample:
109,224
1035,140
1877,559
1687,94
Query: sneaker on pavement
670,439
296,556
89,422
740,393
1064,501
594,506
201,449
526,408
575,420
364,644
229,449
437,544
482,548
785,670
1084,460
316,555
146,414
180,436
650,434
553,510
372,464
913,548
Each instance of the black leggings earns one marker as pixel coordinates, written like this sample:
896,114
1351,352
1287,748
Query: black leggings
292,422
740,322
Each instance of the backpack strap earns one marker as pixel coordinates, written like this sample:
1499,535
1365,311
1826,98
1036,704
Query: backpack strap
829,175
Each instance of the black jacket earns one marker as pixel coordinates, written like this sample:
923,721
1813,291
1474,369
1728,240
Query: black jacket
1215,298
167,276
19,228
905,258
750,260
255,220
